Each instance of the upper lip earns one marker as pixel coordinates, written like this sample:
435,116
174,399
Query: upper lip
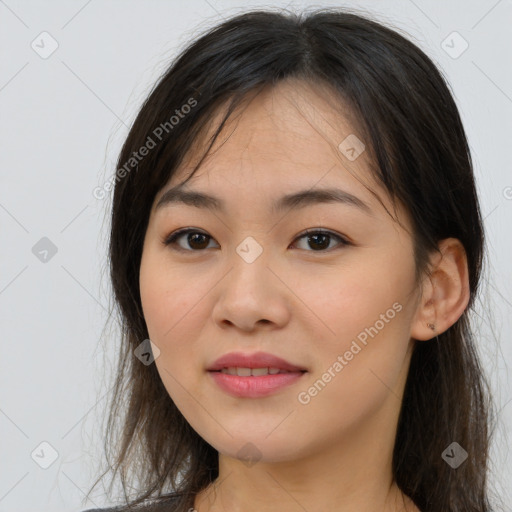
256,360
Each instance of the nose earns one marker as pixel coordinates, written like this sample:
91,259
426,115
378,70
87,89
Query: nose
251,296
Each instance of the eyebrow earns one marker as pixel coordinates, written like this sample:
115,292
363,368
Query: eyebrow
294,201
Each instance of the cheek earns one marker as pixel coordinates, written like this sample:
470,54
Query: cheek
169,299
367,314
359,299
175,312
171,308
356,376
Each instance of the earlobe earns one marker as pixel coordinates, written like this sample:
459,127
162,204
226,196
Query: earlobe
445,291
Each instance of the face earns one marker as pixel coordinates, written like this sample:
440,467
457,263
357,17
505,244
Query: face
326,285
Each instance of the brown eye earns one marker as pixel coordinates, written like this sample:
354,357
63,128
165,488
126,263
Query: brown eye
319,241
196,240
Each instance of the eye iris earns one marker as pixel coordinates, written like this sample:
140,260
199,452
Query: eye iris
193,236
322,245
318,241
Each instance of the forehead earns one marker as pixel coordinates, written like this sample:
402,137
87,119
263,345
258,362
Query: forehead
287,137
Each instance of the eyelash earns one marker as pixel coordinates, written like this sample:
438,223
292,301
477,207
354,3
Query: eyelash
173,237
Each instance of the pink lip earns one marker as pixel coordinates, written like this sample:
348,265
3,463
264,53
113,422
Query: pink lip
256,360
253,386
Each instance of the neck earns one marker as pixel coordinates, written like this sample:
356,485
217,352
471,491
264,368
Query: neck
348,475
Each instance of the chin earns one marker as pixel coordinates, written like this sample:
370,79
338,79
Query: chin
258,449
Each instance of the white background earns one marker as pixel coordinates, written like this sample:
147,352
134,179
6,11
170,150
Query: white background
62,122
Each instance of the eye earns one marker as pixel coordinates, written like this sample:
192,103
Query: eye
195,239
319,240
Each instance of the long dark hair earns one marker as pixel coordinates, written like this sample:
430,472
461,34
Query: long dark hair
412,129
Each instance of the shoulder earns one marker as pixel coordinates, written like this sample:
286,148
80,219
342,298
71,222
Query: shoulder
101,510
115,509
162,504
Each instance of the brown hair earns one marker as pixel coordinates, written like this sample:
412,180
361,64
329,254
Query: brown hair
415,135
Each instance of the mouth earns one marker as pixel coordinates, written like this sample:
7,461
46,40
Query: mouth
254,372
255,364
253,385
255,375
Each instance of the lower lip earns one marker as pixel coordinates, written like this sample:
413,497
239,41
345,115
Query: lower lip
254,387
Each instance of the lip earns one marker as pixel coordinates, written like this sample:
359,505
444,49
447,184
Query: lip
256,360
254,386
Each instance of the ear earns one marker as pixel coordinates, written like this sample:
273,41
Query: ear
445,293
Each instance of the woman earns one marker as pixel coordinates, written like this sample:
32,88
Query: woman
295,227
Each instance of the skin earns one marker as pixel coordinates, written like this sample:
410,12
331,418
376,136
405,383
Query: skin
302,304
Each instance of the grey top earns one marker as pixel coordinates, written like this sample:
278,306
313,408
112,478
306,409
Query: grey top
163,505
